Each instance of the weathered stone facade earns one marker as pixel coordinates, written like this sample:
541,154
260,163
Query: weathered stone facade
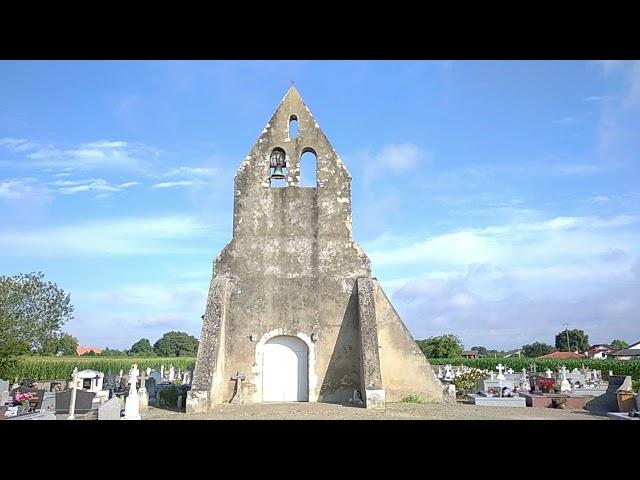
293,269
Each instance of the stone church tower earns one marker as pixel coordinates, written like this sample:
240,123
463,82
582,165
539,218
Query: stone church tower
292,305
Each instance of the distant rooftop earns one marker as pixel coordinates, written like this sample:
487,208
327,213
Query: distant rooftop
84,349
561,356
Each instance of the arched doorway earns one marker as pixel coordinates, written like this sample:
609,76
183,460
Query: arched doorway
285,370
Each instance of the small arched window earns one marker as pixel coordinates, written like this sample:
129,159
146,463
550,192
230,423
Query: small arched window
308,167
293,126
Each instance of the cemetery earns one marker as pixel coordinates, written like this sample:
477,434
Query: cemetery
95,395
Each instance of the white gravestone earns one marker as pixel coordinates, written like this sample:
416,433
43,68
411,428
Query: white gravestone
565,386
447,372
548,373
132,404
142,393
500,368
162,372
172,374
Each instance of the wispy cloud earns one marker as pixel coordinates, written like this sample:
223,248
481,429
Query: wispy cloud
185,171
181,183
71,187
120,236
100,154
565,121
17,144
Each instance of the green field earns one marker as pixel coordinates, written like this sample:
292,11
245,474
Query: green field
618,367
59,368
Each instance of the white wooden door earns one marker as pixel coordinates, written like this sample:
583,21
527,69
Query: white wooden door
284,370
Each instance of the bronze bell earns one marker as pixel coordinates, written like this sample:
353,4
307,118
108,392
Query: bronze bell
277,174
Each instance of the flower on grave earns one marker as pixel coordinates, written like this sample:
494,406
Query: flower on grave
547,384
19,397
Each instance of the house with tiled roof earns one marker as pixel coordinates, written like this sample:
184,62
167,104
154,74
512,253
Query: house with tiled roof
632,352
562,356
84,349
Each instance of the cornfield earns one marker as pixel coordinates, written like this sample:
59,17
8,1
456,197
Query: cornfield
59,368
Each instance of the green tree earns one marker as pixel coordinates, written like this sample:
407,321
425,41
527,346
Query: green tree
482,351
37,309
108,352
578,340
619,344
11,346
141,346
445,346
537,349
176,344
63,342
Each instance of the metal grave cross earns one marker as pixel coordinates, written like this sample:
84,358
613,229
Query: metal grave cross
238,377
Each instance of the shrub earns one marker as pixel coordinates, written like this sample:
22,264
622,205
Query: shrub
412,399
467,382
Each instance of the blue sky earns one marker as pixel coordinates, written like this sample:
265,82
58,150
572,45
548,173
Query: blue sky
498,200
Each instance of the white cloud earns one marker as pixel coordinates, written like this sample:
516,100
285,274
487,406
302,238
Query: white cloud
17,144
191,171
100,154
71,187
121,236
506,285
565,121
181,183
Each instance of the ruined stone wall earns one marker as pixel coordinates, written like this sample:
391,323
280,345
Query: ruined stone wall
405,369
292,260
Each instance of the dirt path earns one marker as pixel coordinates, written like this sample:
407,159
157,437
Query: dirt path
393,411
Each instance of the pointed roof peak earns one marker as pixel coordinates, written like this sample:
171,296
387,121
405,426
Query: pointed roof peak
292,91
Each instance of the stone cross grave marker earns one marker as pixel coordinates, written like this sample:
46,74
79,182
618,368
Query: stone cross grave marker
447,372
74,387
548,373
238,377
493,375
172,374
500,368
132,403
510,371
142,392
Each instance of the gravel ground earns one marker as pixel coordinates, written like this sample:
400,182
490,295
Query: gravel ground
393,411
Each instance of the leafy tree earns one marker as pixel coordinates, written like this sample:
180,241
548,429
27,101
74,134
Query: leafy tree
445,346
64,343
141,346
11,347
108,352
537,349
619,344
481,351
90,353
176,344
578,340
37,308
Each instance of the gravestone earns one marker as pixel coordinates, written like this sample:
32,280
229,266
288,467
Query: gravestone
110,410
449,393
49,401
500,368
157,376
38,396
132,403
152,389
4,392
84,401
